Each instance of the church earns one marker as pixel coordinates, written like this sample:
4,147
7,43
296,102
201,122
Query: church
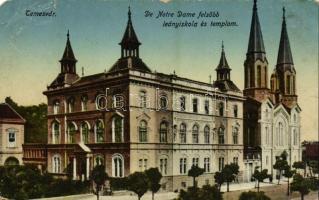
131,118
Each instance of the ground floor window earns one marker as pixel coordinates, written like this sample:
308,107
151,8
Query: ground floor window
56,164
195,161
142,164
207,164
118,166
163,166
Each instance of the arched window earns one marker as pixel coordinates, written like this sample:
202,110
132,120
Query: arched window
118,131
85,132
55,133
56,107
99,160
258,76
221,135
235,110
288,84
195,134
267,135
182,133
295,137
281,133
221,109
99,131
143,131
71,104
163,132
235,135
117,166
56,164
143,99
84,102
11,161
251,78
71,132
206,135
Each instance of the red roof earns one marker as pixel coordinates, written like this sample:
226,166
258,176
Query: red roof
9,115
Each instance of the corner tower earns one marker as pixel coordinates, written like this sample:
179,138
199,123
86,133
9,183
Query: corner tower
283,79
256,64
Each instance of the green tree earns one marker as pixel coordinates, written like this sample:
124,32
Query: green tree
229,173
300,165
195,172
250,195
260,176
206,193
219,179
314,167
154,178
301,185
138,183
280,165
288,173
98,176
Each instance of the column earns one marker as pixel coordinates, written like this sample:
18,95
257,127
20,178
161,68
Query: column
87,167
74,168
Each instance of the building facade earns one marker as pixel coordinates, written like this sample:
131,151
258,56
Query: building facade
272,114
11,135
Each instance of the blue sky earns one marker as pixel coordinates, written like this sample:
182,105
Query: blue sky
30,47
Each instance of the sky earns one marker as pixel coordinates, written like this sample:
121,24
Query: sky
31,46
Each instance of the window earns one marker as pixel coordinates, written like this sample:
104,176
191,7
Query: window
118,102
221,109
221,163
206,135
99,131
182,103
143,131
99,160
251,78
195,161
56,107
174,132
55,133
235,135
207,164
195,105
267,135
118,166
71,104
163,132
163,102
182,165
195,134
295,137
143,99
221,136
235,111
288,84
206,107
235,160
163,166
142,164
11,138
117,129
258,76
56,164
84,103
85,132
281,134
71,132
182,133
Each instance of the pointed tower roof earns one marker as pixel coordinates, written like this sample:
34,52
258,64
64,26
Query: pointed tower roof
284,52
223,61
256,43
129,37
68,54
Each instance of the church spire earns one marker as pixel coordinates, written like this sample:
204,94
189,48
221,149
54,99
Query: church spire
284,52
68,59
256,43
223,69
130,43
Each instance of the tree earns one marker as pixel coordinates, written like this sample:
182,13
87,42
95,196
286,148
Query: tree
219,179
229,173
300,165
206,193
281,164
301,185
194,172
250,195
314,167
138,183
288,173
154,178
260,176
98,176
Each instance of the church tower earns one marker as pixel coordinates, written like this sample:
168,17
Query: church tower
283,79
68,67
256,64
